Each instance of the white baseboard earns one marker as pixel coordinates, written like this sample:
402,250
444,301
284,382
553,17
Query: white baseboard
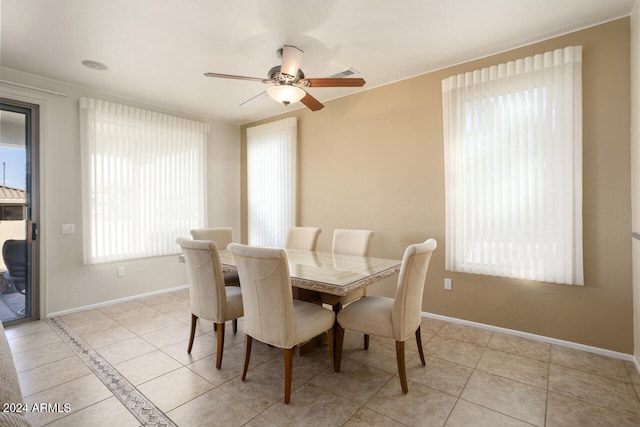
115,301
577,346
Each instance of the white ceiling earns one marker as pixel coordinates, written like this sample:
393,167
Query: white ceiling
158,50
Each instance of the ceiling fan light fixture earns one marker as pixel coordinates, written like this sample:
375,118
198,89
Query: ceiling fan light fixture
286,94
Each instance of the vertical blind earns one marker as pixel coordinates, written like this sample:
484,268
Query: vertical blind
513,168
144,176
271,181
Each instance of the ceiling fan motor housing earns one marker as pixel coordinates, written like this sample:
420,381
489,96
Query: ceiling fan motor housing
281,78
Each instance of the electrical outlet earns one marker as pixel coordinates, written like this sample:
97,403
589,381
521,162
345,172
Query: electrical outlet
447,284
120,271
68,228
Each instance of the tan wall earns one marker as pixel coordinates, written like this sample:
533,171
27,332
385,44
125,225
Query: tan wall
375,160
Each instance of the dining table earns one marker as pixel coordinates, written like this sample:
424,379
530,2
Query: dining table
326,272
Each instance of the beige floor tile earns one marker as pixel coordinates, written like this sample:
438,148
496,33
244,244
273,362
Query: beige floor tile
456,331
431,325
634,375
202,347
122,307
77,394
151,324
518,400
212,408
44,377
355,381
87,322
566,411
380,355
170,305
589,362
182,315
312,406
462,353
29,342
147,367
175,388
125,350
109,412
26,329
519,368
170,335
606,392
439,374
232,362
422,406
263,386
129,317
467,414
108,336
366,417
41,356
521,346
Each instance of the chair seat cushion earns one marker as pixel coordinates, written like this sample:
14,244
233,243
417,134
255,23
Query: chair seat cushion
311,320
370,315
234,302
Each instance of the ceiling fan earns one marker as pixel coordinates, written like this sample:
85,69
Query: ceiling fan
288,81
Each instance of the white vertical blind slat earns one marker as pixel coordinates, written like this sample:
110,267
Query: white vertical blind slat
513,168
271,181
139,192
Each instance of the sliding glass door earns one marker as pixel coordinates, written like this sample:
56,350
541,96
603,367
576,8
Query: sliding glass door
18,211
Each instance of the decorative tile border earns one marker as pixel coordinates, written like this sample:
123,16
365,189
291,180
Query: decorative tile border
137,403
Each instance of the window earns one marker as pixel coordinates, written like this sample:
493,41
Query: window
144,177
271,181
12,212
513,169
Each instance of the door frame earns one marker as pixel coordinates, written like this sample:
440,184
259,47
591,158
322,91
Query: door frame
32,134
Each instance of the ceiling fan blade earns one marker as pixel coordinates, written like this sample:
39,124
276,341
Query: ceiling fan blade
231,76
312,103
332,82
291,59
252,99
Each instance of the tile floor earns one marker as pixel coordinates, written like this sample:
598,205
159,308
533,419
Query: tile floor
473,377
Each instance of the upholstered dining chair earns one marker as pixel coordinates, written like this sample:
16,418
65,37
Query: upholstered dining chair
348,242
272,316
303,238
396,318
222,236
209,298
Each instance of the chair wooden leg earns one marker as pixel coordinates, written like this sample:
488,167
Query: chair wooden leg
288,373
339,341
194,321
366,341
234,323
220,345
248,340
332,350
419,341
402,369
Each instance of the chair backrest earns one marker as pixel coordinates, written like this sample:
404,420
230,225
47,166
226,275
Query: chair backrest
207,293
267,297
303,238
407,306
14,255
221,235
351,242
